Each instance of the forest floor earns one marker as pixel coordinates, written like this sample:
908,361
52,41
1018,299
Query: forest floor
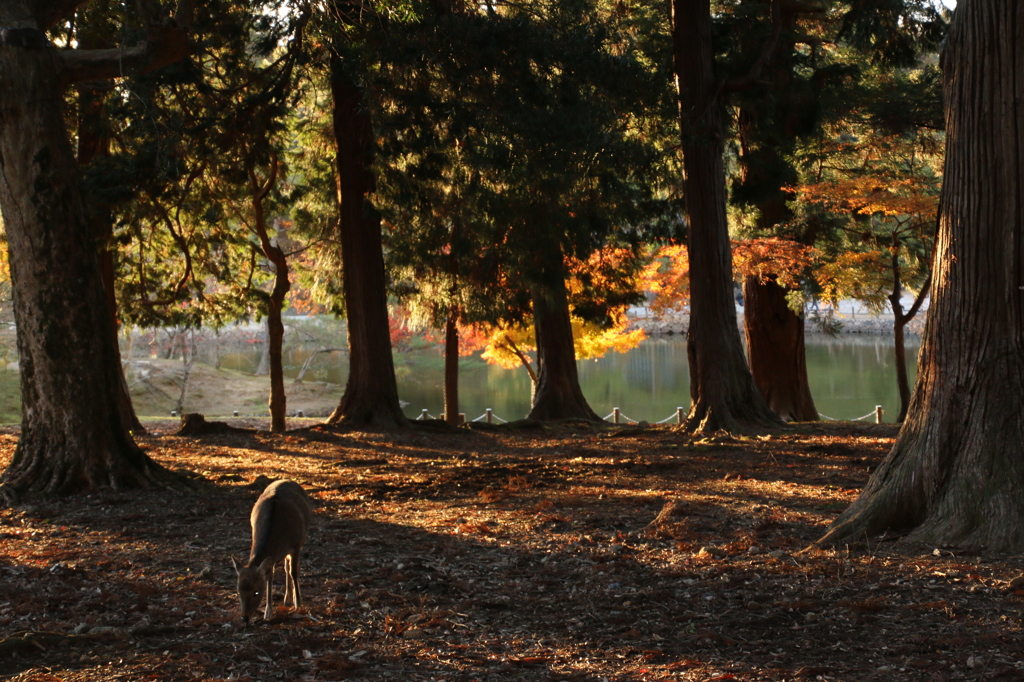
568,552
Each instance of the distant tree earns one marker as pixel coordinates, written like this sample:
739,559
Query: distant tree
536,162
209,180
371,392
888,189
953,476
250,176
722,390
773,109
513,347
814,64
773,273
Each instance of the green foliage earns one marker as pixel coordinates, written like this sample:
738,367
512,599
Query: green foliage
506,135
817,91
185,141
894,32
502,132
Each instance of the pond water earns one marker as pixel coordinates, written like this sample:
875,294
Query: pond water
849,376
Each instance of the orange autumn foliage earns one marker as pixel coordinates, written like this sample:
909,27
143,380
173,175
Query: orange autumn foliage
783,260
510,346
668,273
873,195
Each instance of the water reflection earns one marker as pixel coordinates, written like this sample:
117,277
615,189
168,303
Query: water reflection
849,375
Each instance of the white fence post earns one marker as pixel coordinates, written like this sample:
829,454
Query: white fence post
878,414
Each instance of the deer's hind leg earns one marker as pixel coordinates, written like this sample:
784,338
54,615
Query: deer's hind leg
293,576
269,593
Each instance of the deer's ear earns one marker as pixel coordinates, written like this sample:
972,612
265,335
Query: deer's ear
267,565
234,562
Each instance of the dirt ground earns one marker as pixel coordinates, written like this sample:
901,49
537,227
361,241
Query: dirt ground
156,388
559,553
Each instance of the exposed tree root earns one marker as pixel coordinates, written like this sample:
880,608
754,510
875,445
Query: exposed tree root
195,424
32,640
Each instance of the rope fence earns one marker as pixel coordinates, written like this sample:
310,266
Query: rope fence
617,417
876,413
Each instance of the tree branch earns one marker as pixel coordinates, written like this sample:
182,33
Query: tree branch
166,45
752,76
918,300
166,42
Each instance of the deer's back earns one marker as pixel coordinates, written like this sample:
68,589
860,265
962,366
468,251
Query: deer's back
280,519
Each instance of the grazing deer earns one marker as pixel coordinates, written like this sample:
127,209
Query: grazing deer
280,519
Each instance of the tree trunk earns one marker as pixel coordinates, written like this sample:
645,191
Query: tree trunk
558,394
275,325
94,143
899,324
955,473
900,321
278,401
451,368
722,389
774,332
263,368
900,358
259,190
73,437
775,345
371,394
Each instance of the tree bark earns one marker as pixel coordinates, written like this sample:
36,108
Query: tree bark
775,345
722,389
451,368
263,367
955,473
558,394
275,325
371,394
73,437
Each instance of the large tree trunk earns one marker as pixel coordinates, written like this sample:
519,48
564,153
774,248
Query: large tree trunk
722,390
955,473
73,437
775,346
558,394
371,394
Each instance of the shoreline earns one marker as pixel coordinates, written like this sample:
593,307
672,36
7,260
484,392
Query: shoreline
867,325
